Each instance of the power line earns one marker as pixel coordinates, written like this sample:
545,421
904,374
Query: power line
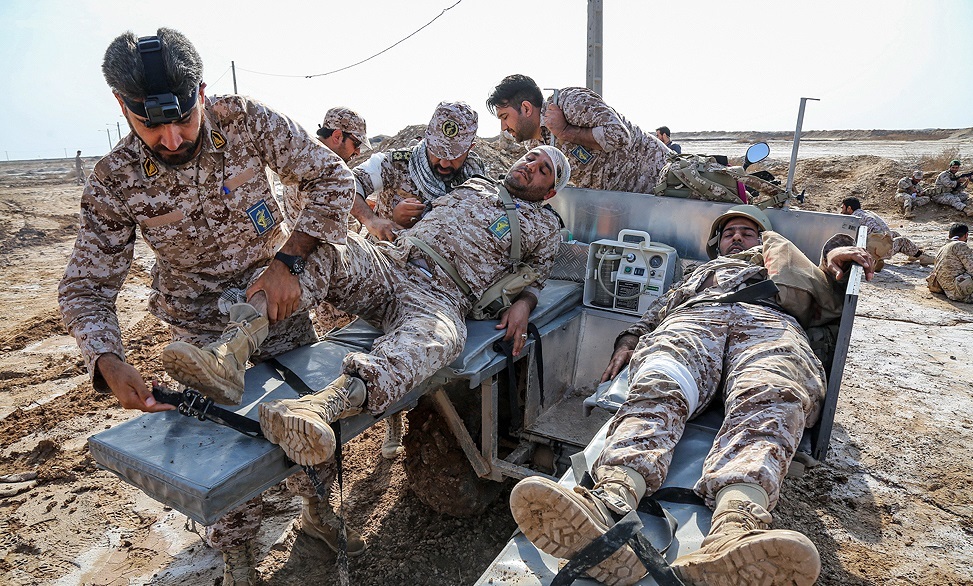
413,33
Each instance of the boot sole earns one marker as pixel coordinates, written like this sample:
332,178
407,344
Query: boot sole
306,442
178,362
558,524
776,557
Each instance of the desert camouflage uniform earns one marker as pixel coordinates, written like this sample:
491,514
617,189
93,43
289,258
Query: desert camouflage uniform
953,273
948,191
629,159
773,385
385,178
424,318
876,225
908,196
212,224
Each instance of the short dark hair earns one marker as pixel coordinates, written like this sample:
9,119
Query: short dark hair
958,230
325,132
513,91
123,70
852,202
664,130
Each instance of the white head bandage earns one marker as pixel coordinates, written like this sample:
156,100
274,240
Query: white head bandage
562,169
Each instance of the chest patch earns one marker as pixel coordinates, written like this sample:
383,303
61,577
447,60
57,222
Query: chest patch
582,154
500,227
263,220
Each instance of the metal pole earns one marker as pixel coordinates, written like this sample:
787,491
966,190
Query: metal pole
797,142
118,126
594,73
108,131
233,68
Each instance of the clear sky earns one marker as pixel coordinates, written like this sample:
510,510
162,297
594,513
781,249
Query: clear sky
700,65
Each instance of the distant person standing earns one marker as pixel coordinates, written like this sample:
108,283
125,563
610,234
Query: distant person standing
606,151
949,190
883,242
79,168
908,196
953,273
662,133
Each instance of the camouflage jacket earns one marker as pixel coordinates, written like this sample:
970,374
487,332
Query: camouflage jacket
906,185
211,223
947,182
628,160
872,221
469,228
952,260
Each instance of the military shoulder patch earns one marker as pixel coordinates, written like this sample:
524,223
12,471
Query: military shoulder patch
582,154
401,155
219,141
263,220
500,227
150,168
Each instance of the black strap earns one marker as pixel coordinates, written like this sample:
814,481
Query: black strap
291,378
764,289
192,403
507,349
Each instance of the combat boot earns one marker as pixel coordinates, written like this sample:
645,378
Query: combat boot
239,567
968,210
395,427
908,211
742,549
561,521
319,521
217,369
923,258
302,427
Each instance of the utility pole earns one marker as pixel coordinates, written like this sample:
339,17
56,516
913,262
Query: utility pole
594,74
797,141
108,131
233,69
118,126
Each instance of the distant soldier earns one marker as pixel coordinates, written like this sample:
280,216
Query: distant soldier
663,134
908,196
79,168
949,189
606,150
953,273
883,242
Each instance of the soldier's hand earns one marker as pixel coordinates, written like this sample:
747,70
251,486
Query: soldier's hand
282,289
839,259
515,321
407,212
624,348
554,119
127,385
382,228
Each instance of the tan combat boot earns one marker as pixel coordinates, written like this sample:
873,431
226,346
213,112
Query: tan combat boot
239,567
319,521
217,369
395,428
302,427
561,521
923,258
742,549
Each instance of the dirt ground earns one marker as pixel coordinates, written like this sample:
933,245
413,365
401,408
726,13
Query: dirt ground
891,505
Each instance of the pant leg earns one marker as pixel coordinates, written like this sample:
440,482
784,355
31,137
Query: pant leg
950,199
425,329
645,430
236,527
774,389
904,245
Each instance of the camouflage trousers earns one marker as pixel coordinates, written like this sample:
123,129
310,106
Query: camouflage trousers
903,245
242,523
423,316
771,383
956,199
910,201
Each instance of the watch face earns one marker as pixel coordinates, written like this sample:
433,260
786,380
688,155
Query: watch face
298,267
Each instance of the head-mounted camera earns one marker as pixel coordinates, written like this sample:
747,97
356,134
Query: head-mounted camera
161,106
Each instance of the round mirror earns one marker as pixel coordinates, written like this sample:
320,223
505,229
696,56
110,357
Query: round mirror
757,152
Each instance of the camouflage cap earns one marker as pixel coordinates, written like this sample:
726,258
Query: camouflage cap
452,130
954,162
346,120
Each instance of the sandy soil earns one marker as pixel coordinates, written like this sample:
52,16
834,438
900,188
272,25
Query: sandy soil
891,505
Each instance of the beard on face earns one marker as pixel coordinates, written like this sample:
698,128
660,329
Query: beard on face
517,185
186,153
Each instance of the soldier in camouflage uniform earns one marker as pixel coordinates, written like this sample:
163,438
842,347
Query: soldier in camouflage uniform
79,168
689,349
953,273
886,242
948,189
193,183
908,196
606,150
403,183
402,288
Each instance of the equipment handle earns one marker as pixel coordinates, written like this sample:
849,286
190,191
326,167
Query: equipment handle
641,233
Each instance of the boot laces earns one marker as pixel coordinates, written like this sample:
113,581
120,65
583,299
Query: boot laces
237,327
337,403
393,433
238,562
610,490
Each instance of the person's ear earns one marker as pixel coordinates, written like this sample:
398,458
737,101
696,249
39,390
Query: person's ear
551,193
527,108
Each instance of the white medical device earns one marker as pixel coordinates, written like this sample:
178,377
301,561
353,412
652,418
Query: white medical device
628,274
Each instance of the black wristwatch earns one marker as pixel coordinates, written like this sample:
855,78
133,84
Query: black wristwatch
294,263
